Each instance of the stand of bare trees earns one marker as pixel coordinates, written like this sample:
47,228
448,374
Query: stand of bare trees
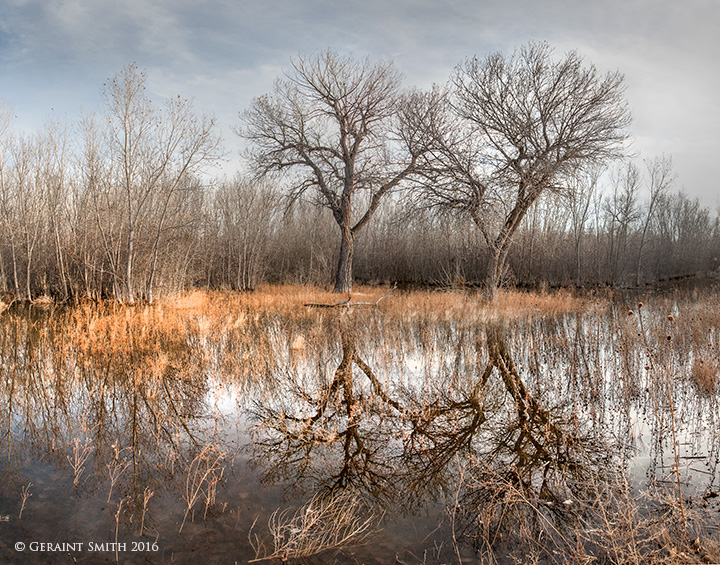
111,211
501,177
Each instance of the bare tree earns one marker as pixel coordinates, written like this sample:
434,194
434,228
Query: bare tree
577,201
621,214
154,153
332,125
54,148
102,235
529,123
6,117
25,216
244,214
662,177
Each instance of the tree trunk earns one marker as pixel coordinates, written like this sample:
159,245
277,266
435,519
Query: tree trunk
492,280
151,278
344,275
578,264
28,265
16,283
129,293
3,276
59,258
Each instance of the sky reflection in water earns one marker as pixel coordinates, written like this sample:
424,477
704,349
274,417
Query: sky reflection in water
141,426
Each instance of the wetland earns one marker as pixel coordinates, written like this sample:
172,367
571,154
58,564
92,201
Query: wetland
427,427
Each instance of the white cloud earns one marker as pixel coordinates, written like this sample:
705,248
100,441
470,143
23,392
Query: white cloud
223,52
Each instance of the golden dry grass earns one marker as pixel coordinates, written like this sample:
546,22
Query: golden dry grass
167,334
291,299
111,328
472,307
704,374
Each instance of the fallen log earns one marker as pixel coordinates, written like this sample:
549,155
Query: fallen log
347,304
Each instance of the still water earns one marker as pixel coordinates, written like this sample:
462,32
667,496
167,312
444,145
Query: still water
149,435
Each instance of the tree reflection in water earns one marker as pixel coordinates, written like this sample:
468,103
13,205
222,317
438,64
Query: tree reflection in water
519,437
120,399
340,434
505,458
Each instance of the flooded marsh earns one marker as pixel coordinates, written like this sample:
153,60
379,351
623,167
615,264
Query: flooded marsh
429,428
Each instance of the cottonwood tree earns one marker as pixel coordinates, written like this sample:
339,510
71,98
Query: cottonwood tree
527,123
340,128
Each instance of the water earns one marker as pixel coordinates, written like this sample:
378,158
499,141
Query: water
154,436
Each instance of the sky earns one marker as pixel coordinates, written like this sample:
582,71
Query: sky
56,55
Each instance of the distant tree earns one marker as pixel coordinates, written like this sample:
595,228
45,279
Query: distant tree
54,151
621,211
25,206
340,128
243,214
583,188
661,180
523,125
6,118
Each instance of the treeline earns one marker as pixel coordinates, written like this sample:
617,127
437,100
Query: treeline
120,205
614,237
63,237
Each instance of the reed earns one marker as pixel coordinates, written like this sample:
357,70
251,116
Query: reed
204,473
147,495
80,454
118,513
26,494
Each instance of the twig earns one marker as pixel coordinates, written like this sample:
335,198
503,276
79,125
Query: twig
25,495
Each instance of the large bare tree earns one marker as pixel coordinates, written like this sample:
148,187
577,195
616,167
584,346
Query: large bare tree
521,125
335,126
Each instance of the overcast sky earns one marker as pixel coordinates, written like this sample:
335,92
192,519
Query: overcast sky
55,55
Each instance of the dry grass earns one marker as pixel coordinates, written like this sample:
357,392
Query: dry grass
506,523
473,308
118,332
333,521
204,475
704,374
290,299
112,329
